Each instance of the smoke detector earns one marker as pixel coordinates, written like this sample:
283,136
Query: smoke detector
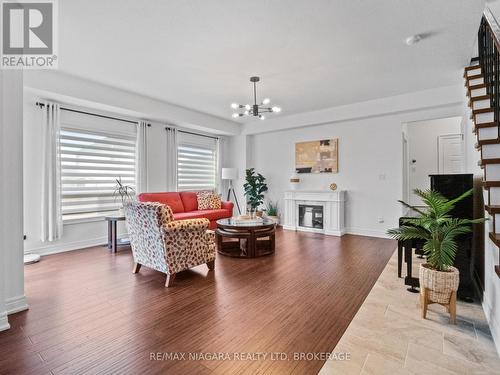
411,40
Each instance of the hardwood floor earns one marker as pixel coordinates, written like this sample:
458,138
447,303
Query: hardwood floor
90,314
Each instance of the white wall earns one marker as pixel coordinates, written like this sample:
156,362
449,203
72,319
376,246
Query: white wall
370,151
423,147
240,157
68,88
79,235
12,297
4,323
369,168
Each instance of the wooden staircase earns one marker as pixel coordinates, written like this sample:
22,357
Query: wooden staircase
487,131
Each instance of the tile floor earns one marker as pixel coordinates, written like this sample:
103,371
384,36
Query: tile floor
387,336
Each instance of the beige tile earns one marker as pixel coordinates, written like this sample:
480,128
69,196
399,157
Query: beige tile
353,366
423,360
390,346
481,371
471,350
484,337
388,335
341,368
435,320
376,364
400,329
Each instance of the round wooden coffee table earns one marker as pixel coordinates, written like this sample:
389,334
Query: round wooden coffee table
245,240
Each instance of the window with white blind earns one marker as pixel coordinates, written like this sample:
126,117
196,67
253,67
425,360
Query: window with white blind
196,162
91,161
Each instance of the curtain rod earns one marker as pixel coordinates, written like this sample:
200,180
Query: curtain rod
186,132
41,105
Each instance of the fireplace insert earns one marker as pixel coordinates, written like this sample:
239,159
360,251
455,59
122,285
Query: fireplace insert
311,216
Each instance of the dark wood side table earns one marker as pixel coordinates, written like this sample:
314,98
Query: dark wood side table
112,232
245,240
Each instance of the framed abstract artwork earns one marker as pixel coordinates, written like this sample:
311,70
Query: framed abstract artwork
317,156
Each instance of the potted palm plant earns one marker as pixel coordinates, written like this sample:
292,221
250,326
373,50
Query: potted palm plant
255,187
434,224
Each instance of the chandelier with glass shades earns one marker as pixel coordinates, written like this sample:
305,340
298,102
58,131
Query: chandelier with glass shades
256,110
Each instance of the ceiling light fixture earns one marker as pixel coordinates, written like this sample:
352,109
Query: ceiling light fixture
256,110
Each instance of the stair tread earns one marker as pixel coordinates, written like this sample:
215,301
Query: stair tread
482,110
480,97
472,67
488,184
487,142
490,161
475,87
475,76
492,210
486,125
495,237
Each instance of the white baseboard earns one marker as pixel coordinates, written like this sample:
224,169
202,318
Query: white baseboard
4,322
351,230
494,326
69,246
367,232
16,304
337,233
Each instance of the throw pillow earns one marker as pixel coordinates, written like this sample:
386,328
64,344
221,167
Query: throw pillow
208,200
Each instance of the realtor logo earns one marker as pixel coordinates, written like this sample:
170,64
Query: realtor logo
29,34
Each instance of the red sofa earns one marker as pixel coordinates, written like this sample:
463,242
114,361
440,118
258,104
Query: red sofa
184,205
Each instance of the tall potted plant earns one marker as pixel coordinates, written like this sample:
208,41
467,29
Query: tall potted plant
434,224
255,187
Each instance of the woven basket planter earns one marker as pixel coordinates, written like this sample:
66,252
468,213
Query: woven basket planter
440,284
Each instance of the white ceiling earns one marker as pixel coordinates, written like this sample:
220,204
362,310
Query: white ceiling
310,54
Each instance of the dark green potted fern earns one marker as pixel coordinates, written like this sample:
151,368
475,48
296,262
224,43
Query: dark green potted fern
439,230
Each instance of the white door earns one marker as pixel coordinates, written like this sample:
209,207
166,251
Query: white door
451,154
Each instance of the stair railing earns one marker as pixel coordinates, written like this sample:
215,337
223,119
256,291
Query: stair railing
489,59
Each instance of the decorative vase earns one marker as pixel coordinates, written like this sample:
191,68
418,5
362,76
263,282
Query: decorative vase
250,211
294,181
440,284
259,213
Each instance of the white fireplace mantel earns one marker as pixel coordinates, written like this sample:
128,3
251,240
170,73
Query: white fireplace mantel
333,210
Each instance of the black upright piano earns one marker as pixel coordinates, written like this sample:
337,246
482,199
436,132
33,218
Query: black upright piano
451,186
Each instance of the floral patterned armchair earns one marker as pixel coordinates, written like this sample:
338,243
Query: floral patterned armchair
168,246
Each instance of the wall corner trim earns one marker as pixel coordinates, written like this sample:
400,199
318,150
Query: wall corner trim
492,323
4,323
16,304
